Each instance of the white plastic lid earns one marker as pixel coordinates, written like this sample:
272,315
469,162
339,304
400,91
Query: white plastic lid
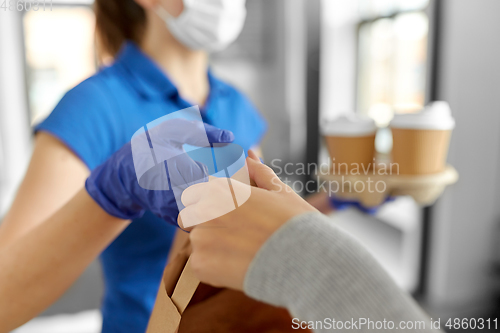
350,125
435,116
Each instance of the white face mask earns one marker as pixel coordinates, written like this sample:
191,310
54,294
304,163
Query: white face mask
209,25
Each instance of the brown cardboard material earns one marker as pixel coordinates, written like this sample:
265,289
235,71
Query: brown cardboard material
231,311
185,288
347,152
213,309
183,305
165,316
420,152
424,189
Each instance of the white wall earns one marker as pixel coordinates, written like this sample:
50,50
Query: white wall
466,219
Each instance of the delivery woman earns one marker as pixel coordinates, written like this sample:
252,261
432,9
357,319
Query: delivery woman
160,50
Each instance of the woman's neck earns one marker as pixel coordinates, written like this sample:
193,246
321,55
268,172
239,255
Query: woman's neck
186,68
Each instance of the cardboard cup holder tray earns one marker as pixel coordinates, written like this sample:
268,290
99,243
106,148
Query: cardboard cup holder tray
425,189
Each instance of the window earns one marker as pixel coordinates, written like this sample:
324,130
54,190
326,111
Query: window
60,53
371,8
392,58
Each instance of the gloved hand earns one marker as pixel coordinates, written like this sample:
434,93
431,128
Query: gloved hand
341,204
134,179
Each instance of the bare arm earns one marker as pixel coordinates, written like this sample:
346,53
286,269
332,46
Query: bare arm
54,176
40,266
50,234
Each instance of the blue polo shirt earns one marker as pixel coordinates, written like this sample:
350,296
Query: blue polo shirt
98,117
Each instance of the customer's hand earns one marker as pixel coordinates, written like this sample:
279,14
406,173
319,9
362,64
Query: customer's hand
224,247
134,179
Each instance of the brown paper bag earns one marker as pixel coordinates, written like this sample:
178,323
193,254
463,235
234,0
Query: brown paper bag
185,305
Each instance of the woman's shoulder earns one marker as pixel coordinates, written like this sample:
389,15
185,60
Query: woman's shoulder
97,89
87,119
94,99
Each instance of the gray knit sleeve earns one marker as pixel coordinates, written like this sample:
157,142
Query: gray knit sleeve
321,274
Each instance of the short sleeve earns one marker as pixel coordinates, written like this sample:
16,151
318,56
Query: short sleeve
83,120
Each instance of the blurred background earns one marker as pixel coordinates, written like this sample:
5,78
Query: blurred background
303,62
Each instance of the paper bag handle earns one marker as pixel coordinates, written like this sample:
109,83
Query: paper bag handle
185,288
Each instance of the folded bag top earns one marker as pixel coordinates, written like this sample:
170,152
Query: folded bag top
184,305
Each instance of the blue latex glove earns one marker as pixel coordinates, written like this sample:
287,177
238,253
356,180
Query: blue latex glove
134,179
341,204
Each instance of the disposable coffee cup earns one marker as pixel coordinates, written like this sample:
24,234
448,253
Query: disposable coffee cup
351,143
421,140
